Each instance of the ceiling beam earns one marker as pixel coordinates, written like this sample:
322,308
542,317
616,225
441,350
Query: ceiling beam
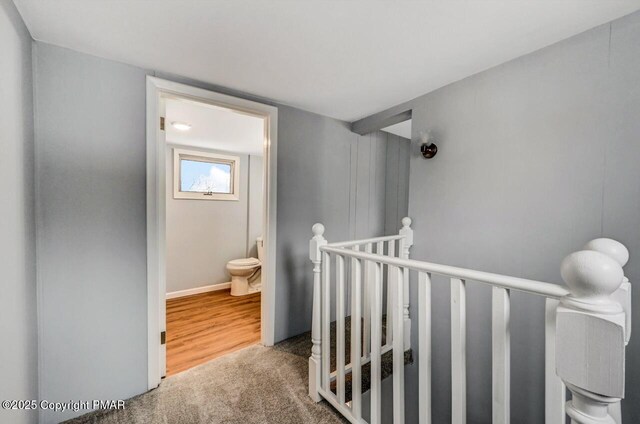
382,119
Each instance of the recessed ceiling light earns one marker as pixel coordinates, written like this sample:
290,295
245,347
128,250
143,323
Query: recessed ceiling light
181,126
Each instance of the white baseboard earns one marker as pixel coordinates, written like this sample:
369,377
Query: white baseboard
198,290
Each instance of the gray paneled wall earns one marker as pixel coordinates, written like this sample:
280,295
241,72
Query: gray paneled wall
326,174
19,351
396,182
536,157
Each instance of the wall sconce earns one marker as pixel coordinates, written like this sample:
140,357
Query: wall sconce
427,146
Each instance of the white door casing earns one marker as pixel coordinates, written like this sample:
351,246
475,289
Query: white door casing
157,91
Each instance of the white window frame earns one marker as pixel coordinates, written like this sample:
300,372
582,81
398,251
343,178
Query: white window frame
196,155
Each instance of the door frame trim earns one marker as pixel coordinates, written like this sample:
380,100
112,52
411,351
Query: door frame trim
157,90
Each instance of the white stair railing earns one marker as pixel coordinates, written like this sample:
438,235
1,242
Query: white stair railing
586,329
368,283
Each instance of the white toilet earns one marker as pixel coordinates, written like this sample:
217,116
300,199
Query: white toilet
245,273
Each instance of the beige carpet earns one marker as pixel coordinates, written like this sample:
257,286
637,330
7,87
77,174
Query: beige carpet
253,385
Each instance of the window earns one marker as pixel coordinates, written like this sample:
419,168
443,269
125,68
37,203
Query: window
205,176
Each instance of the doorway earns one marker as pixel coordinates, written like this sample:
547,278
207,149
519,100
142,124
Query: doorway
185,170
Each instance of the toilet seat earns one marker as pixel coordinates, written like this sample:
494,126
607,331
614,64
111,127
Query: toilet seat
244,263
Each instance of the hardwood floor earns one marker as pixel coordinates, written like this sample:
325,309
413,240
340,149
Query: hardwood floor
208,325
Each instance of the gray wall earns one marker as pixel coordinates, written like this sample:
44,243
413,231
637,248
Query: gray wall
91,171
18,355
203,235
396,182
536,157
90,150
330,175
256,206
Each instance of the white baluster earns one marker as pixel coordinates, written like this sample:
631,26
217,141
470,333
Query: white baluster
366,310
398,349
501,356
316,337
326,322
340,330
376,341
356,339
391,275
405,244
590,337
458,352
618,252
555,392
380,251
424,347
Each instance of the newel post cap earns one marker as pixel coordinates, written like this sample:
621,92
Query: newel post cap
407,232
591,276
316,242
612,248
317,229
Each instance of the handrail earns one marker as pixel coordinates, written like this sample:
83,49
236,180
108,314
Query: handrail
596,297
350,243
540,288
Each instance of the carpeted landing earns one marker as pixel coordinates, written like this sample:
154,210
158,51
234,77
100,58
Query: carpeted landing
253,385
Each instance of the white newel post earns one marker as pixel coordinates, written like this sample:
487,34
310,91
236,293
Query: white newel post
617,251
590,336
316,338
405,244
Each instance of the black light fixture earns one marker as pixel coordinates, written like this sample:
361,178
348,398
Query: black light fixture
427,147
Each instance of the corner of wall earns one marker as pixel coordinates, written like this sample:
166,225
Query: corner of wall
37,216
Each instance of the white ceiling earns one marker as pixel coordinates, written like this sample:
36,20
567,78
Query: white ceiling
344,59
214,127
403,129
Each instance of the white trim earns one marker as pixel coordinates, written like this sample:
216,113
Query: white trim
198,290
232,161
157,91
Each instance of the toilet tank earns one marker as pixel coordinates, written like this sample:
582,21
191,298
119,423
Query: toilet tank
260,244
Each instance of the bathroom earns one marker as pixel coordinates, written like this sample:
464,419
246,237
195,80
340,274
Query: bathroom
214,231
